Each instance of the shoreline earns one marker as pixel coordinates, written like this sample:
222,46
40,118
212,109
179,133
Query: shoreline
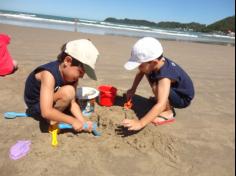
122,32
109,34
185,41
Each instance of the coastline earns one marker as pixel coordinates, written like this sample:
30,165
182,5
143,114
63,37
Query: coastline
106,28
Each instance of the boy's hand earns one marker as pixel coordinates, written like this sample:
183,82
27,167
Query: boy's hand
132,125
130,93
77,125
90,126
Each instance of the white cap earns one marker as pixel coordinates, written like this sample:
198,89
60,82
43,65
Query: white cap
84,51
145,50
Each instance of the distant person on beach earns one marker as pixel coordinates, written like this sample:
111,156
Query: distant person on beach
7,64
171,85
76,24
50,90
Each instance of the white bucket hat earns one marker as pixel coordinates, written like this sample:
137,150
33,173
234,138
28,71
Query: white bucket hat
84,51
145,50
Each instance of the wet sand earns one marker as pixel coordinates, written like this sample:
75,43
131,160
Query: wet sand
200,143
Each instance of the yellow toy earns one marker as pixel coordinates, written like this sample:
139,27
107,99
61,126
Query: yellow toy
54,130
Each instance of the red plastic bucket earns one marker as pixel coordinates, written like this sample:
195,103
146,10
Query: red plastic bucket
107,95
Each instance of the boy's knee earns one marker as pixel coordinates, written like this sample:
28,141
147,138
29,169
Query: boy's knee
67,93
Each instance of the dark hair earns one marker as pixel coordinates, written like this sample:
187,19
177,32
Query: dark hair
61,57
159,58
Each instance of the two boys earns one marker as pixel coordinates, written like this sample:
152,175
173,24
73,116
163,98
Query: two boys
51,88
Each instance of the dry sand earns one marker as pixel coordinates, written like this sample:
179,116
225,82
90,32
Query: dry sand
200,143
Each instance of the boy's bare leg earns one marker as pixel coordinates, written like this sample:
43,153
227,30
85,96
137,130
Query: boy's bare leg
154,88
167,113
63,98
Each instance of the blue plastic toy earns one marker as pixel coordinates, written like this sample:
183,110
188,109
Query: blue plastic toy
13,115
94,128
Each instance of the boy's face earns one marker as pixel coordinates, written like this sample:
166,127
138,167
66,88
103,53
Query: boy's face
72,73
148,67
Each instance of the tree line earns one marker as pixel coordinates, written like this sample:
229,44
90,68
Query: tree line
221,26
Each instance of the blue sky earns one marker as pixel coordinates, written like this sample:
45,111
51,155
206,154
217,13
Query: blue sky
202,11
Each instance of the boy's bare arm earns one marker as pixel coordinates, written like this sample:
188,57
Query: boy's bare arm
137,80
75,108
76,111
46,100
163,94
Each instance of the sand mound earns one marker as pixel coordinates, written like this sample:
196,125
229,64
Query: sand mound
147,141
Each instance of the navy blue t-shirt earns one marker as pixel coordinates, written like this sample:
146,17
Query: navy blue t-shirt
32,85
183,84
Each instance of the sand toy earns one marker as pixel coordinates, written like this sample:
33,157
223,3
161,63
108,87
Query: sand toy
55,129
107,95
13,115
94,128
19,150
86,98
128,105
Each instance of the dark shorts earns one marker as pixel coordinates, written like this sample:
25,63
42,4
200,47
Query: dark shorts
177,100
34,111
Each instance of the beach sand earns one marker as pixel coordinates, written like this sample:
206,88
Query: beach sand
200,143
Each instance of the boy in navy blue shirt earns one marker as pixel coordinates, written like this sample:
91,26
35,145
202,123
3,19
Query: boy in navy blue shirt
171,85
51,88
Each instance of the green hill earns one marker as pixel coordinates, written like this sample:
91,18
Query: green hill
223,25
185,26
220,26
131,22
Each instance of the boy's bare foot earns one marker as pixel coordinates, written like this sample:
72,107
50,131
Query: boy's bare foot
16,67
164,117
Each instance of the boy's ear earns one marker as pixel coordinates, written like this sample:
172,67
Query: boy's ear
68,61
154,62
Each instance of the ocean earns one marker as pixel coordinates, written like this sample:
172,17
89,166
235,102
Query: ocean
104,28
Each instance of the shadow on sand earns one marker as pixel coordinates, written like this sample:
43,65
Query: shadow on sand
141,106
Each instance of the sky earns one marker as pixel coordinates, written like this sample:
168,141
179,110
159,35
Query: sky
184,11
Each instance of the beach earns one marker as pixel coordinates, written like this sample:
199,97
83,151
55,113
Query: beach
200,143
